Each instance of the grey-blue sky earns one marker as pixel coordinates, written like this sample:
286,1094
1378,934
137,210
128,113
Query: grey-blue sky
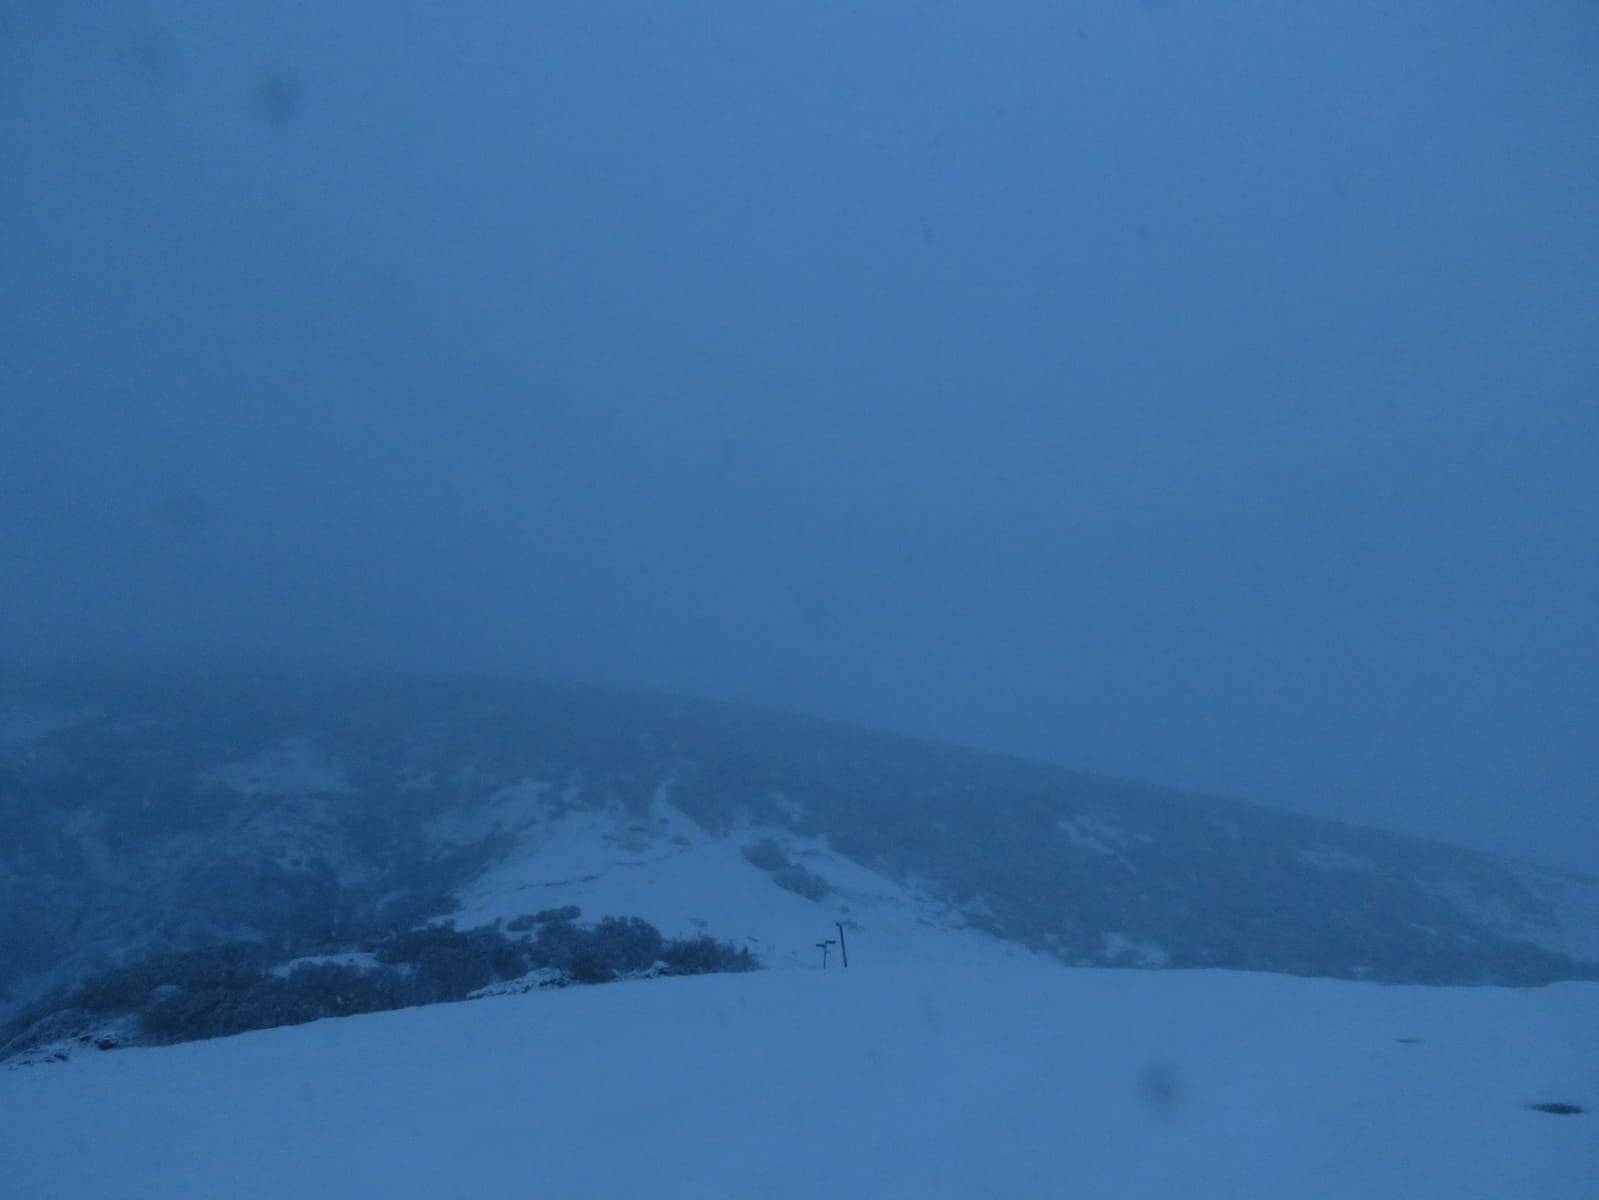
1202,393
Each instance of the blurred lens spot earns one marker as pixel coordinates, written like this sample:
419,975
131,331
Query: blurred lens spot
148,53
183,511
278,99
1161,1090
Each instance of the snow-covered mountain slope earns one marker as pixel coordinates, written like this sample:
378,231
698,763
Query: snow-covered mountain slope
874,1082
145,814
662,866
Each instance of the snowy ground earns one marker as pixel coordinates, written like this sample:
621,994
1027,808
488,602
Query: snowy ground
1016,1081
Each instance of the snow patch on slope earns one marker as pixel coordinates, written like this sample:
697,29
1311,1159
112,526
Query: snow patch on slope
1122,950
295,767
662,866
1100,837
1572,927
514,809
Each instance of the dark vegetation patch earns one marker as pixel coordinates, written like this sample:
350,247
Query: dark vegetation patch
111,835
767,855
803,883
233,988
1559,1108
785,872
568,912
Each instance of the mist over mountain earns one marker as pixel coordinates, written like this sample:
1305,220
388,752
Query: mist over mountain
1194,393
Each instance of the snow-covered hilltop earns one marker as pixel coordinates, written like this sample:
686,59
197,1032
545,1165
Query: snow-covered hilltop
147,815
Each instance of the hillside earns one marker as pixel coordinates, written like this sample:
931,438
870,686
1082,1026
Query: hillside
146,815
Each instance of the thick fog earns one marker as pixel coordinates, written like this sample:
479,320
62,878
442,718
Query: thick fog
1207,393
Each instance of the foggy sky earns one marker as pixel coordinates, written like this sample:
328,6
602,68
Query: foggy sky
1206,393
